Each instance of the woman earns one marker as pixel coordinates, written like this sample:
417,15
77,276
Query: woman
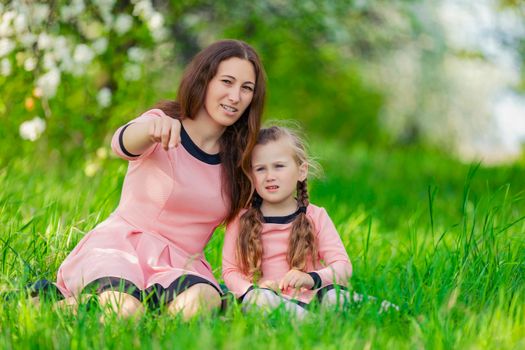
174,196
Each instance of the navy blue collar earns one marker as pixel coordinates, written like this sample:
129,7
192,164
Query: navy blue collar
195,151
282,219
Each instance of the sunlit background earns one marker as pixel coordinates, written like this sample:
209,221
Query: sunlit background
441,74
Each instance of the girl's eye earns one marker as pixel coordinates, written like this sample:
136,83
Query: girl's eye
226,81
279,166
248,88
259,169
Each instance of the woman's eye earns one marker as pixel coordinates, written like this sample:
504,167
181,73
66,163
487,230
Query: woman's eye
259,169
226,81
248,88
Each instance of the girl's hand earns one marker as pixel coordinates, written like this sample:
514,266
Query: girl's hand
296,279
273,285
165,130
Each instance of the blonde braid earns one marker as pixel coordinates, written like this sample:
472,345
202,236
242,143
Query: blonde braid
302,243
249,250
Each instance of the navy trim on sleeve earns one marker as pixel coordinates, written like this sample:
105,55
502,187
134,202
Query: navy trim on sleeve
121,142
317,280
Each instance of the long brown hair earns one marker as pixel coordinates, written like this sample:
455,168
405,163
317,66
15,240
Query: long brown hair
302,244
238,140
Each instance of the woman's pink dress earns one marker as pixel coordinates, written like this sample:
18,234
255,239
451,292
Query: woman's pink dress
170,205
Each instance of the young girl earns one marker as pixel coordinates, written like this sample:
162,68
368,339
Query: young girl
283,249
151,247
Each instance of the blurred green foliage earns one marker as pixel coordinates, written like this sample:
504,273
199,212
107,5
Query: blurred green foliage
313,69
317,55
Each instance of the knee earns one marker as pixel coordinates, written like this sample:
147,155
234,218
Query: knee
194,299
122,304
261,297
335,297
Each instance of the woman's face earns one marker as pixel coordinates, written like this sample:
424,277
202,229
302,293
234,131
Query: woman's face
229,92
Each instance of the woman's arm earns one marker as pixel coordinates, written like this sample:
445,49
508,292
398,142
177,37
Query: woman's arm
136,137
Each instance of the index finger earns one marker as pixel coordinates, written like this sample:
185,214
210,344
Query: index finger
175,133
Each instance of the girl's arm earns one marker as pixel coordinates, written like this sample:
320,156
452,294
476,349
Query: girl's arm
235,280
332,253
137,138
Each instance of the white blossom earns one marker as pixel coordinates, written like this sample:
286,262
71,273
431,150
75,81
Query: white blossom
91,29
5,67
106,4
30,64
5,23
123,23
136,54
83,54
143,9
40,13
100,45
6,46
5,28
28,39
102,153
62,51
67,64
48,82
49,61
104,97
20,23
27,43
45,41
74,9
8,16
156,21
105,7
132,72
32,129
91,168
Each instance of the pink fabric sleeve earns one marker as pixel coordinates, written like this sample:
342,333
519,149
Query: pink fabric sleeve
116,141
236,282
332,253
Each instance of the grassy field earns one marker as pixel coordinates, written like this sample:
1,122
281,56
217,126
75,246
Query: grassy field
443,240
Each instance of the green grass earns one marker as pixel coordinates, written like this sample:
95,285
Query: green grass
443,240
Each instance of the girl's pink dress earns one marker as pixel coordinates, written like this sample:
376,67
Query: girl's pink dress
332,265
170,205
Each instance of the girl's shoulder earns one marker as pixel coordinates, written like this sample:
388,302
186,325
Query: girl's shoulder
315,211
319,216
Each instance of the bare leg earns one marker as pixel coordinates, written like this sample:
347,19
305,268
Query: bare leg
68,304
122,304
268,300
197,298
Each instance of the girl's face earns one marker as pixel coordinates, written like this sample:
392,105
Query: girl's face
229,92
275,173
